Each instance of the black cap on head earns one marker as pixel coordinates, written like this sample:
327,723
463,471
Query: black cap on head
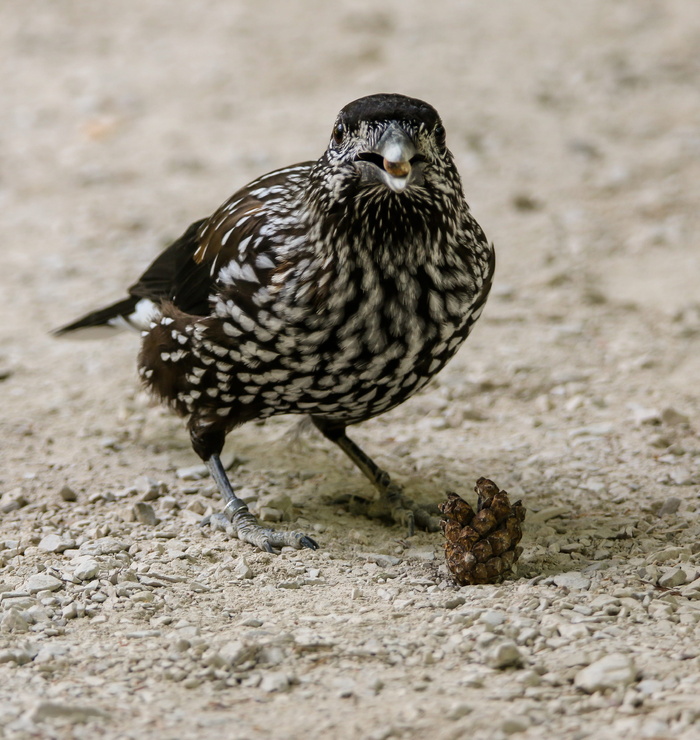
389,106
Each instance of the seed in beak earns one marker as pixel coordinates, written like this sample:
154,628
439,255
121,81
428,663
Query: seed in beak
397,169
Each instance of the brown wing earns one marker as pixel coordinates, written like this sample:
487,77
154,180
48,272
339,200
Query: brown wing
186,272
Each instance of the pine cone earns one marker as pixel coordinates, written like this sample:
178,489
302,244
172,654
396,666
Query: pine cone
481,546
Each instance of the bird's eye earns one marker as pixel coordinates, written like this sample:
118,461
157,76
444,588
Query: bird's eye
439,134
339,132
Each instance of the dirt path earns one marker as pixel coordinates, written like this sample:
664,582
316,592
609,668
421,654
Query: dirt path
576,131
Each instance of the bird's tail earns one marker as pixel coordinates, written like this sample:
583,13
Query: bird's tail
131,313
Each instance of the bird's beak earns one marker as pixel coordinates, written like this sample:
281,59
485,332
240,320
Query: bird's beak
396,148
392,155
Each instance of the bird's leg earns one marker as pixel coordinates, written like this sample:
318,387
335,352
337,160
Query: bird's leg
236,510
392,503
247,528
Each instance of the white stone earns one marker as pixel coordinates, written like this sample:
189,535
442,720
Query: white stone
193,472
673,577
242,570
426,553
459,710
42,582
669,553
513,725
549,512
674,418
104,546
235,652
72,712
505,655
274,681
493,618
145,514
609,672
15,655
55,543
13,621
87,569
573,580
644,415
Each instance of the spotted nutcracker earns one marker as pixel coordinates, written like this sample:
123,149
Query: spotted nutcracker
336,288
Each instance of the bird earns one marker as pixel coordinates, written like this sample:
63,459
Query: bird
334,288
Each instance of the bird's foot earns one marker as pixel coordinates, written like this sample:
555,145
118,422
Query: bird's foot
394,507
242,524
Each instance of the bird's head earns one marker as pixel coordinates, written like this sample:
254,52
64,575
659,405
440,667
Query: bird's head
388,141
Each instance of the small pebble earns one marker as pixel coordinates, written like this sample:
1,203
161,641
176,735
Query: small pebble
504,655
610,672
12,501
513,725
104,546
674,418
42,582
426,553
269,514
149,488
344,687
142,597
274,681
68,494
87,569
13,621
573,580
182,644
145,514
192,517
55,543
169,503
550,512
383,561
669,507
673,577
242,570
70,611
601,429
18,600
235,652
492,618
197,506
669,553
280,502
459,710
454,602
193,472
643,415
15,655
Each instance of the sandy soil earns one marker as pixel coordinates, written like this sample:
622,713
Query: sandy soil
576,129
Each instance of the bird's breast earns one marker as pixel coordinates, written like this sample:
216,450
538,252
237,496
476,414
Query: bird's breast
344,340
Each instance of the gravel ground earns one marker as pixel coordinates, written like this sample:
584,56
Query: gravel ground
575,127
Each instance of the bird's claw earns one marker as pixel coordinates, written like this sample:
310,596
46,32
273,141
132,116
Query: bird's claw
406,518
306,541
425,520
394,507
272,540
268,540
